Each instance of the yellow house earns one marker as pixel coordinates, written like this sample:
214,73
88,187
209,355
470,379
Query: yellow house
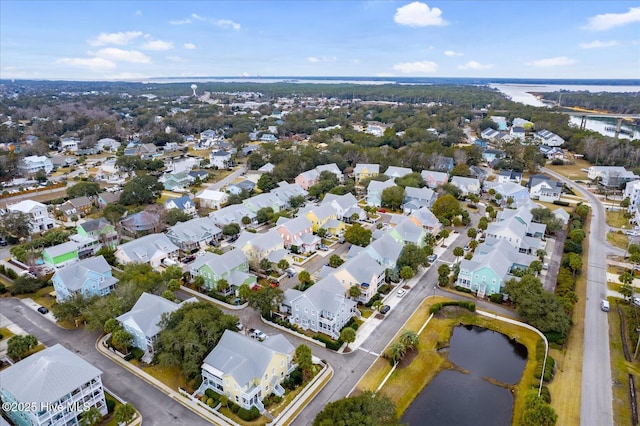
247,370
364,171
319,216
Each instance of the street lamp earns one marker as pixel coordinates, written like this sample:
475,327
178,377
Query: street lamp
434,291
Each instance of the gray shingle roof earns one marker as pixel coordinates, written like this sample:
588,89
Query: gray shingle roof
244,358
75,275
47,376
94,225
144,248
60,249
147,313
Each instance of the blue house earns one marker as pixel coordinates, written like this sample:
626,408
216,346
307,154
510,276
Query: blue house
177,181
90,277
479,142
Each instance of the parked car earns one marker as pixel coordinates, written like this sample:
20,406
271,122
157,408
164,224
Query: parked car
341,240
189,259
604,305
636,301
257,334
401,292
239,326
385,309
274,284
323,247
467,248
43,310
291,272
432,258
545,266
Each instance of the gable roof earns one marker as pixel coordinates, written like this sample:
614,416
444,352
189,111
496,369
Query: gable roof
293,226
147,313
372,168
47,376
323,211
378,187
243,358
194,229
145,248
94,225
220,264
362,268
61,249
75,275
180,202
395,171
345,201
26,206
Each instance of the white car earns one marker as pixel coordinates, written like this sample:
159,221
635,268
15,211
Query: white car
401,292
636,301
257,334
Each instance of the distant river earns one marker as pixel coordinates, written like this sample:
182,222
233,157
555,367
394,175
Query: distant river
522,93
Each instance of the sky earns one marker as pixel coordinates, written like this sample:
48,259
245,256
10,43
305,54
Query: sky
134,40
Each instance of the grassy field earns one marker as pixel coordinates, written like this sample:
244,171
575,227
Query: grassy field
170,376
619,370
5,333
571,171
405,384
618,239
616,219
41,297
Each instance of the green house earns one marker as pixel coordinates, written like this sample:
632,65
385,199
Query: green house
100,230
61,255
233,266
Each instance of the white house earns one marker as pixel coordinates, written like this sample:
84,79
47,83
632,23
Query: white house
151,249
69,144
33,163
39,219
212,198
220,159
548,138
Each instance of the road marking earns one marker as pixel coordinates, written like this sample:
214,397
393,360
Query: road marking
368,351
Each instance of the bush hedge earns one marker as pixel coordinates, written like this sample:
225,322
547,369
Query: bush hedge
111,403
463,289
434,309
497,298
248,415
329,342
561,203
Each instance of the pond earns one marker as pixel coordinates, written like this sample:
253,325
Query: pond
455,398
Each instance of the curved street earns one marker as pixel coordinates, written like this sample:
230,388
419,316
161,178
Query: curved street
596,404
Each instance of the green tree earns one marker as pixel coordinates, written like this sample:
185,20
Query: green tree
444,234
574,262
413,180
626,290
536,266
283,264
358,235
265,265
121,339
537,412
222,285
430,239
472,233
109,254
355,292
304,359
541,254
144,189
577,235
113,213
111,325
266,183
583,211
176,215
304,277
335,261
15,225
244,292
458,252
91,417
83,189
443,274
26,284
473,244
231,229
296,201
397,351
264,215
392,197
412,256
409,339
266,300
406,273
366,409
321,232
348,335
446,206
124,413
483,224
18,346
174,284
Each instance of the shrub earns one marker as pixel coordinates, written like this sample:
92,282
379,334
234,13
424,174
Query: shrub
248,415
234,407
11,273
545,394
463,289
137,353
3,289
329,342
557,162
561,203
496,298
204,398
435,308
111,403
384,288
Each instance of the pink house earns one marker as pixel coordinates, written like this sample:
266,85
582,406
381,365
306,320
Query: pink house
297,232
308,178
434,179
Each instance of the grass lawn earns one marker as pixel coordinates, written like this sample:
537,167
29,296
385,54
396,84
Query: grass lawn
41,297
571,171
620,369
109,419
553,207
170,376
6,333
616,219
618,239
405,384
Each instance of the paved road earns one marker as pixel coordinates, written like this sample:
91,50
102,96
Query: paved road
156,407
228,179
596,405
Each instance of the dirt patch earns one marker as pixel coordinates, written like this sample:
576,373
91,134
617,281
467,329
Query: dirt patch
448,312
407,358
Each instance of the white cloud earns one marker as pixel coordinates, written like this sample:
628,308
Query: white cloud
227,24
418,14
157,45
198,17
120,38
315,59
558,61
120,55
180,21
607,21
128,76
597,44
189,46
473,65
420,67
176,59
94,64
452,53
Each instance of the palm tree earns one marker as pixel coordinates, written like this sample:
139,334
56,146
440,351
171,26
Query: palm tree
222,285
397,351
458,252
376,305
354,292
473,244
429,239
409,338
541,254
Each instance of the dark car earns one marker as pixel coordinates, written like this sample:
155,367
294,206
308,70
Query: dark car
3,242
189,259
43,310
385,309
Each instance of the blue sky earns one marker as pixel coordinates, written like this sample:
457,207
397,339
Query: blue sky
140,39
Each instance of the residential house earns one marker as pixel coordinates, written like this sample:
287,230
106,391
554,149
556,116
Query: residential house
307,179
562,214
544,189
268,137
490,134
319,216
211,198
385,250
322,308
203,175
286,191
632,192
417,198
480,143
143,320
374,191
61,255
426,220
220,159
408,232
185,204
365,171
521,122
140,223
297,232
362,271
397,172
194,234
268,245
548,138
509,190
346,206
237,188
105,198
147,151
58,383
490,155
80,206
94,234
611,176
500,121
32,164
176,181
333,168
234,213
517,132
208,135
444,164
509,176
107,144
232,266
151,249
262,201
434,179
551,152
466,185
37,213
245,370
516,227
490,267
89,277
69,144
